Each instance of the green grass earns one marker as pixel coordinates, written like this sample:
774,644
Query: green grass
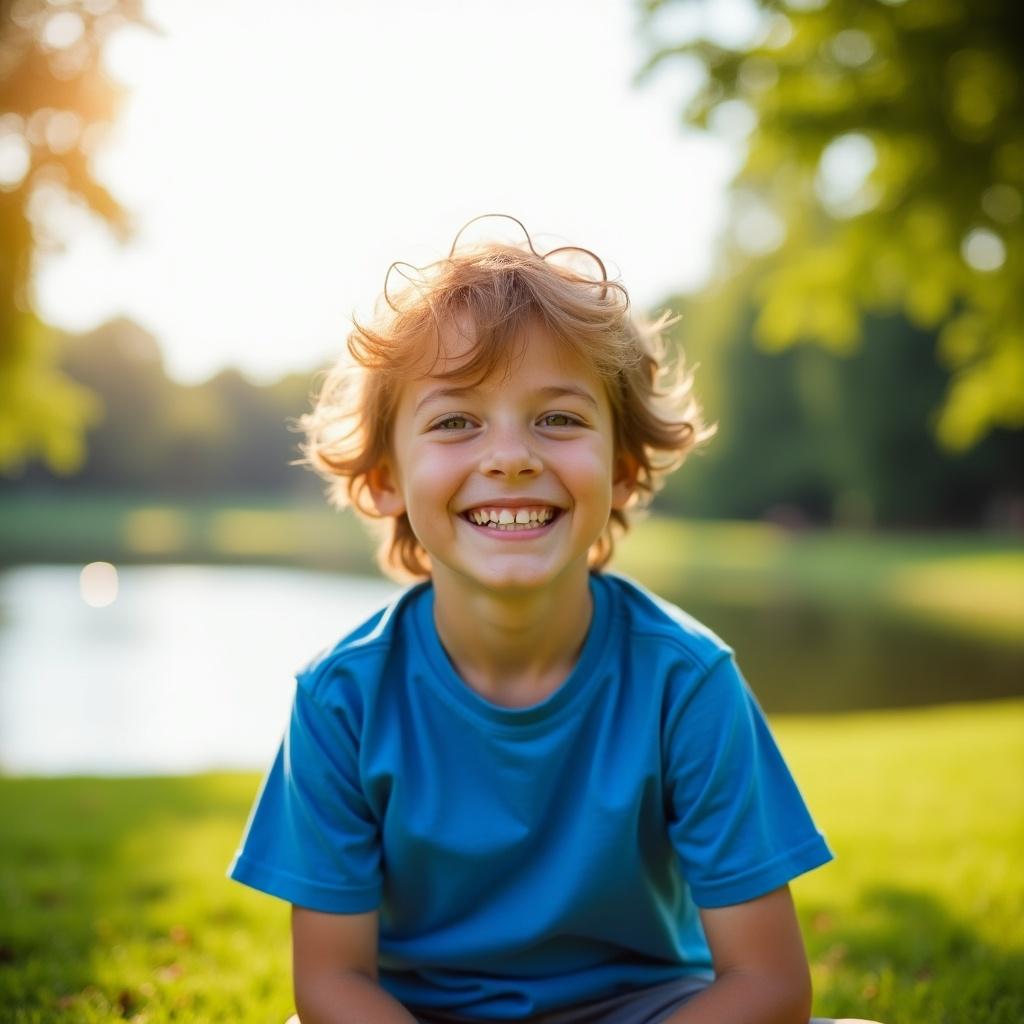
115,906
972,583
84,527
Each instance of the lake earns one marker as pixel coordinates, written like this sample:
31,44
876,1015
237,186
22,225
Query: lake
190,668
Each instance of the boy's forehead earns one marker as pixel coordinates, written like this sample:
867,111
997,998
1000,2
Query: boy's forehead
545,366
456,354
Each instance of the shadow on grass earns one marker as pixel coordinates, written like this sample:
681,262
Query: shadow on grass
116,905
902,956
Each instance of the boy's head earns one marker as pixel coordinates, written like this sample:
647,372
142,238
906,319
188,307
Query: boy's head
466,322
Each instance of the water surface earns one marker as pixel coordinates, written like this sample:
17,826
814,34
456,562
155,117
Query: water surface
192,667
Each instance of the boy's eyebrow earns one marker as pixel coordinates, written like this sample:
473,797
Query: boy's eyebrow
557,390
550,391
437,393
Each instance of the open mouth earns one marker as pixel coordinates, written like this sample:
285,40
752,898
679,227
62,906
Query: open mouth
513,520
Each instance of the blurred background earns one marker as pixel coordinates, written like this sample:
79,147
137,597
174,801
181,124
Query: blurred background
195,199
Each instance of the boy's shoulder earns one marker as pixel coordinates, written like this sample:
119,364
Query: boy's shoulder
661,634
649,619
360,653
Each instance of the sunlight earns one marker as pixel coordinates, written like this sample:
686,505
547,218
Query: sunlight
268,205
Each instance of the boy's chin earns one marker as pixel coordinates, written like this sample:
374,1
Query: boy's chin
519,578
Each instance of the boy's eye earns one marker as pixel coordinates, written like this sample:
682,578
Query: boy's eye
559,419
453,423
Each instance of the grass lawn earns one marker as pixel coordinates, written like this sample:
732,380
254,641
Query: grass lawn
115,904
970,583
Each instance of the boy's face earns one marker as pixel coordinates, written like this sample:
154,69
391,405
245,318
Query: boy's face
533,450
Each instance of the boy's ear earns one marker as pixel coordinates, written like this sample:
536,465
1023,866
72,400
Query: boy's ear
383,484
625,471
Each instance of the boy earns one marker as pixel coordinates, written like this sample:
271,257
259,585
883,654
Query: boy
527,790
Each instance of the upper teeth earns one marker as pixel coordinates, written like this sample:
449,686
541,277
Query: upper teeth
505,516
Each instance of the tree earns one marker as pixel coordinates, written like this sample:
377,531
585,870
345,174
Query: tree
55,101
884,173
166,439
805,436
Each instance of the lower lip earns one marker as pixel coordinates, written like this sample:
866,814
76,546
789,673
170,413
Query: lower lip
513,534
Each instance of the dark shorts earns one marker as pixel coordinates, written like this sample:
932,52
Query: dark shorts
644,1006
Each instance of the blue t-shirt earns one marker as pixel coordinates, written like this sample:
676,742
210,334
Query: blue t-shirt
525,859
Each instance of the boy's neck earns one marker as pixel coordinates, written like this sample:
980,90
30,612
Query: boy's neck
514,649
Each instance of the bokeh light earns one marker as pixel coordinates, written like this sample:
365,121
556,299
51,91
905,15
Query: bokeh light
984,250
98,584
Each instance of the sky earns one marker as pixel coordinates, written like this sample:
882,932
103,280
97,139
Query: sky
276,165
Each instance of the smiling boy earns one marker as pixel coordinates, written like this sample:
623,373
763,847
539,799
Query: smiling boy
507,484
527,789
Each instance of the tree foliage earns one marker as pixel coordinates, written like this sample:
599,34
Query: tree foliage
55,101
883,174
803,437
806,437
159,437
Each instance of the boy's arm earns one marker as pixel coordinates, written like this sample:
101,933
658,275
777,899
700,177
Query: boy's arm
761,973
334,968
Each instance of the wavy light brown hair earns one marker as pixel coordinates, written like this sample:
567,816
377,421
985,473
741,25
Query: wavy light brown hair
501,291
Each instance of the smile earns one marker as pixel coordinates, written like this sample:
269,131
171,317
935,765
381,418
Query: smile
512,520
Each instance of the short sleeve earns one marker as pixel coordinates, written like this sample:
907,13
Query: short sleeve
311,838
736,817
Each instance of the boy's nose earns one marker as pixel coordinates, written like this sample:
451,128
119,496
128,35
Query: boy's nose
510,457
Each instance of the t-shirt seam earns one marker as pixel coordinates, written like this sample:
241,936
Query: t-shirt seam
317,674
322,677
691,641
276,872
705,663
765,868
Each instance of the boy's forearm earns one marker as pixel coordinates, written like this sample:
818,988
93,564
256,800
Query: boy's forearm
742,998
348,998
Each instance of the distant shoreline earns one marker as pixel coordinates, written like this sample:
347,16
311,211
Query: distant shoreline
965,581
